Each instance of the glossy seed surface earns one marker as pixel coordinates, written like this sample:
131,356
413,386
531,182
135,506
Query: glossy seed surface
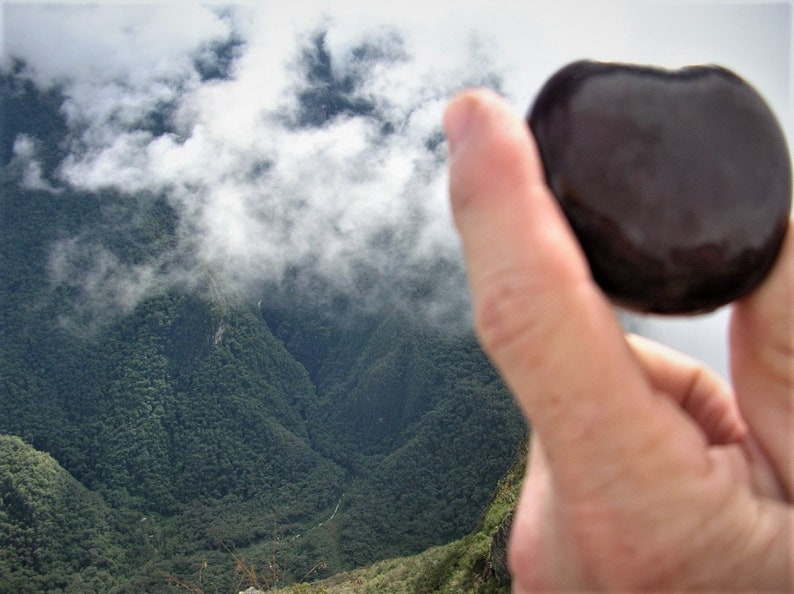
677,183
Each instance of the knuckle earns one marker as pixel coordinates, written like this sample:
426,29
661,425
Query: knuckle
505,315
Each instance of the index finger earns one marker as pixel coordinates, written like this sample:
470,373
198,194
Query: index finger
539,316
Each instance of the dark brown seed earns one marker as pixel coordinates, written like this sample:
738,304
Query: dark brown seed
677,183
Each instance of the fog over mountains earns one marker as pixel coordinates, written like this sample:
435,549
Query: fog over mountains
307,136
233,303
279,148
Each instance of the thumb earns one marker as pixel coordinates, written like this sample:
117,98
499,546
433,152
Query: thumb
539,316
762,363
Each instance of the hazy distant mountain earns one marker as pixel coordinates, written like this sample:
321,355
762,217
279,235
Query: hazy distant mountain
150,426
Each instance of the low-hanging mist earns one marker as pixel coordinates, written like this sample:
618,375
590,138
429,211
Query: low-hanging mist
297,147
297,163
157,159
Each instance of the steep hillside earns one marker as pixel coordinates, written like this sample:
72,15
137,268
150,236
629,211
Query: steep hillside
476,563
54,533
300,432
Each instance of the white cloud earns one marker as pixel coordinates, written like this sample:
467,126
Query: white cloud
26,166
134,43
256,194
105,287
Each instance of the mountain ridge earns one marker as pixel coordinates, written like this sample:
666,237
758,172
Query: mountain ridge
208,419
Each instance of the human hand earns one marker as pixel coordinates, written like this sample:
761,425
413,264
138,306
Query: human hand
647,471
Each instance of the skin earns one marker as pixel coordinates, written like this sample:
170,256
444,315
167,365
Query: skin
647,471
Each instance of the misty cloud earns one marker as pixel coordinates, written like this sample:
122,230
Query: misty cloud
289,163
134,44
26,167
299,147
98,277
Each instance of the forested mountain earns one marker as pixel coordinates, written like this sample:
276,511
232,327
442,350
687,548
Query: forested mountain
193,426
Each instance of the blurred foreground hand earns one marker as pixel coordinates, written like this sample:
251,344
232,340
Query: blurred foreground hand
646,472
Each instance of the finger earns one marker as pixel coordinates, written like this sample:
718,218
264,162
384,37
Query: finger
528,552
703,394
762,363
540,317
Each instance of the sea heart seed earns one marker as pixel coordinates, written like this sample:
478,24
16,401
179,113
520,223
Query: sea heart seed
677,183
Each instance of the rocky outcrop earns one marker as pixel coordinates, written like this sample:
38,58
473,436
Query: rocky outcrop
498,551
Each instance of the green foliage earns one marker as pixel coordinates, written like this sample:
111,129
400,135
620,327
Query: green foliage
25,109
155,434
474,564
54,533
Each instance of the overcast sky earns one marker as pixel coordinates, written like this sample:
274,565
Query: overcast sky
308,133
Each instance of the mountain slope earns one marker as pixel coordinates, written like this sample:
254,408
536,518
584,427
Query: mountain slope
476,563
298,424
54,533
